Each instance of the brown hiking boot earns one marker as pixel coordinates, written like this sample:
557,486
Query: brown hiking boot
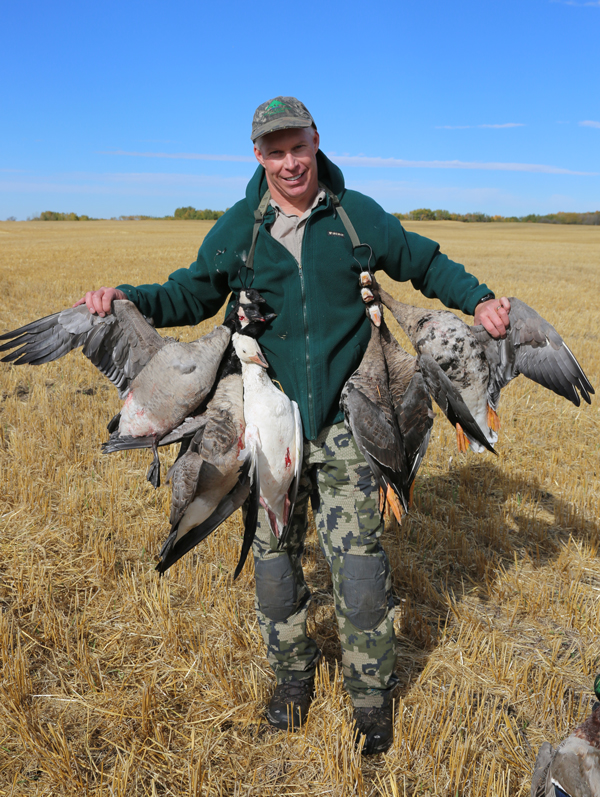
377,724
289,705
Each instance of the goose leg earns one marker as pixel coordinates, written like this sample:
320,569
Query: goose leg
153,474
461,439
493,419
389,500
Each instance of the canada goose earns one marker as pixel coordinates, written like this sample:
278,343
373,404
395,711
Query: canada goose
479,366
274,426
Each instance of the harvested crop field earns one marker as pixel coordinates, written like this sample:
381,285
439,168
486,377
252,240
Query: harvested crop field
115,682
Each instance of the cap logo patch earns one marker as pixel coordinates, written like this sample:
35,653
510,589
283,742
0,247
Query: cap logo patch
276,106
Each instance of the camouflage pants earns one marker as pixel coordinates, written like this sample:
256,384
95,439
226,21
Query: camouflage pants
349,527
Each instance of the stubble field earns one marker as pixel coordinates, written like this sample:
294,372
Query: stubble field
115,682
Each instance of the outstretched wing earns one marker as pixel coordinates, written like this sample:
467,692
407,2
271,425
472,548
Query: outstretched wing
534,348
119,345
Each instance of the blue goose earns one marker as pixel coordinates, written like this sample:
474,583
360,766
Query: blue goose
161,380
479,366
210,479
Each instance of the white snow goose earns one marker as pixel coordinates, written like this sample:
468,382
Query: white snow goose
273,437
479,366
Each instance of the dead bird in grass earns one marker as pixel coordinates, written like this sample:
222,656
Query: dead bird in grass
573,769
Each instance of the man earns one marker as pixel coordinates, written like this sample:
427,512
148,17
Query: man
305,265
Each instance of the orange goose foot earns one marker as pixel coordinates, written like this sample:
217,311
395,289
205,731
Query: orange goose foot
492,419
389,500
461,439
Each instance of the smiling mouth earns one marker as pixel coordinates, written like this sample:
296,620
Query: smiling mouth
295,178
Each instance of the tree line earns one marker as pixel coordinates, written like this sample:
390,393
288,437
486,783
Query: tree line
425,214
421,214
180,213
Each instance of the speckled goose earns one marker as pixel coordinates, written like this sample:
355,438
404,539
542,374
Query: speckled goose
479,366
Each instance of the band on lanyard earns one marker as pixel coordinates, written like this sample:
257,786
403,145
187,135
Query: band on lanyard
259,215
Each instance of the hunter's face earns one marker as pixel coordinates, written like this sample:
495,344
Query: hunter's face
289,159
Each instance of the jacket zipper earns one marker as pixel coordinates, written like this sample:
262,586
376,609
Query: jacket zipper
309,393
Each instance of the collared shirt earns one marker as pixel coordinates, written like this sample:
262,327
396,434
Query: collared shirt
289,229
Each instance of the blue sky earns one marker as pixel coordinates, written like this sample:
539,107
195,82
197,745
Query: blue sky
137,108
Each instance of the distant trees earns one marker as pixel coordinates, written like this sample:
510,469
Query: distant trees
192,213
425,214
52,215
420,214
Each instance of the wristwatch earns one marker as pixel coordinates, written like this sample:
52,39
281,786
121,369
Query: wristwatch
486,298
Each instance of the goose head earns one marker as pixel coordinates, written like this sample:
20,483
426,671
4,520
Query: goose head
247,316
248,350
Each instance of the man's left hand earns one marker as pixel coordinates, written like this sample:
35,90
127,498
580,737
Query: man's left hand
493,314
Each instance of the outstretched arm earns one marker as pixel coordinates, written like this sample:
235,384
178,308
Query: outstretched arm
493,315
100,301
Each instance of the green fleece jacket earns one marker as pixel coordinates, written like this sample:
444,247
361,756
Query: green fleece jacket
321,330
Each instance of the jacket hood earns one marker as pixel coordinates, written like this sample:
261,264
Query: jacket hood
328,173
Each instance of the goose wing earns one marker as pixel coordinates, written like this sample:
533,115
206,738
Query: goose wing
251,519
377,439
119,345
535,349
450,401
174,549
540,771
184,476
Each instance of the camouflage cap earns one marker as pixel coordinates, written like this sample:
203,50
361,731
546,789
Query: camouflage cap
280,113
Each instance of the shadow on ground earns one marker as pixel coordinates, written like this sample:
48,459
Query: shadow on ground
465,527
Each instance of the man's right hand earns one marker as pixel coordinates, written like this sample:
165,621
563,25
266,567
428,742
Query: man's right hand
100,301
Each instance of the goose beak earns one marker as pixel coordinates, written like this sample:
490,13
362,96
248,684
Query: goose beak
259,360
374,313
